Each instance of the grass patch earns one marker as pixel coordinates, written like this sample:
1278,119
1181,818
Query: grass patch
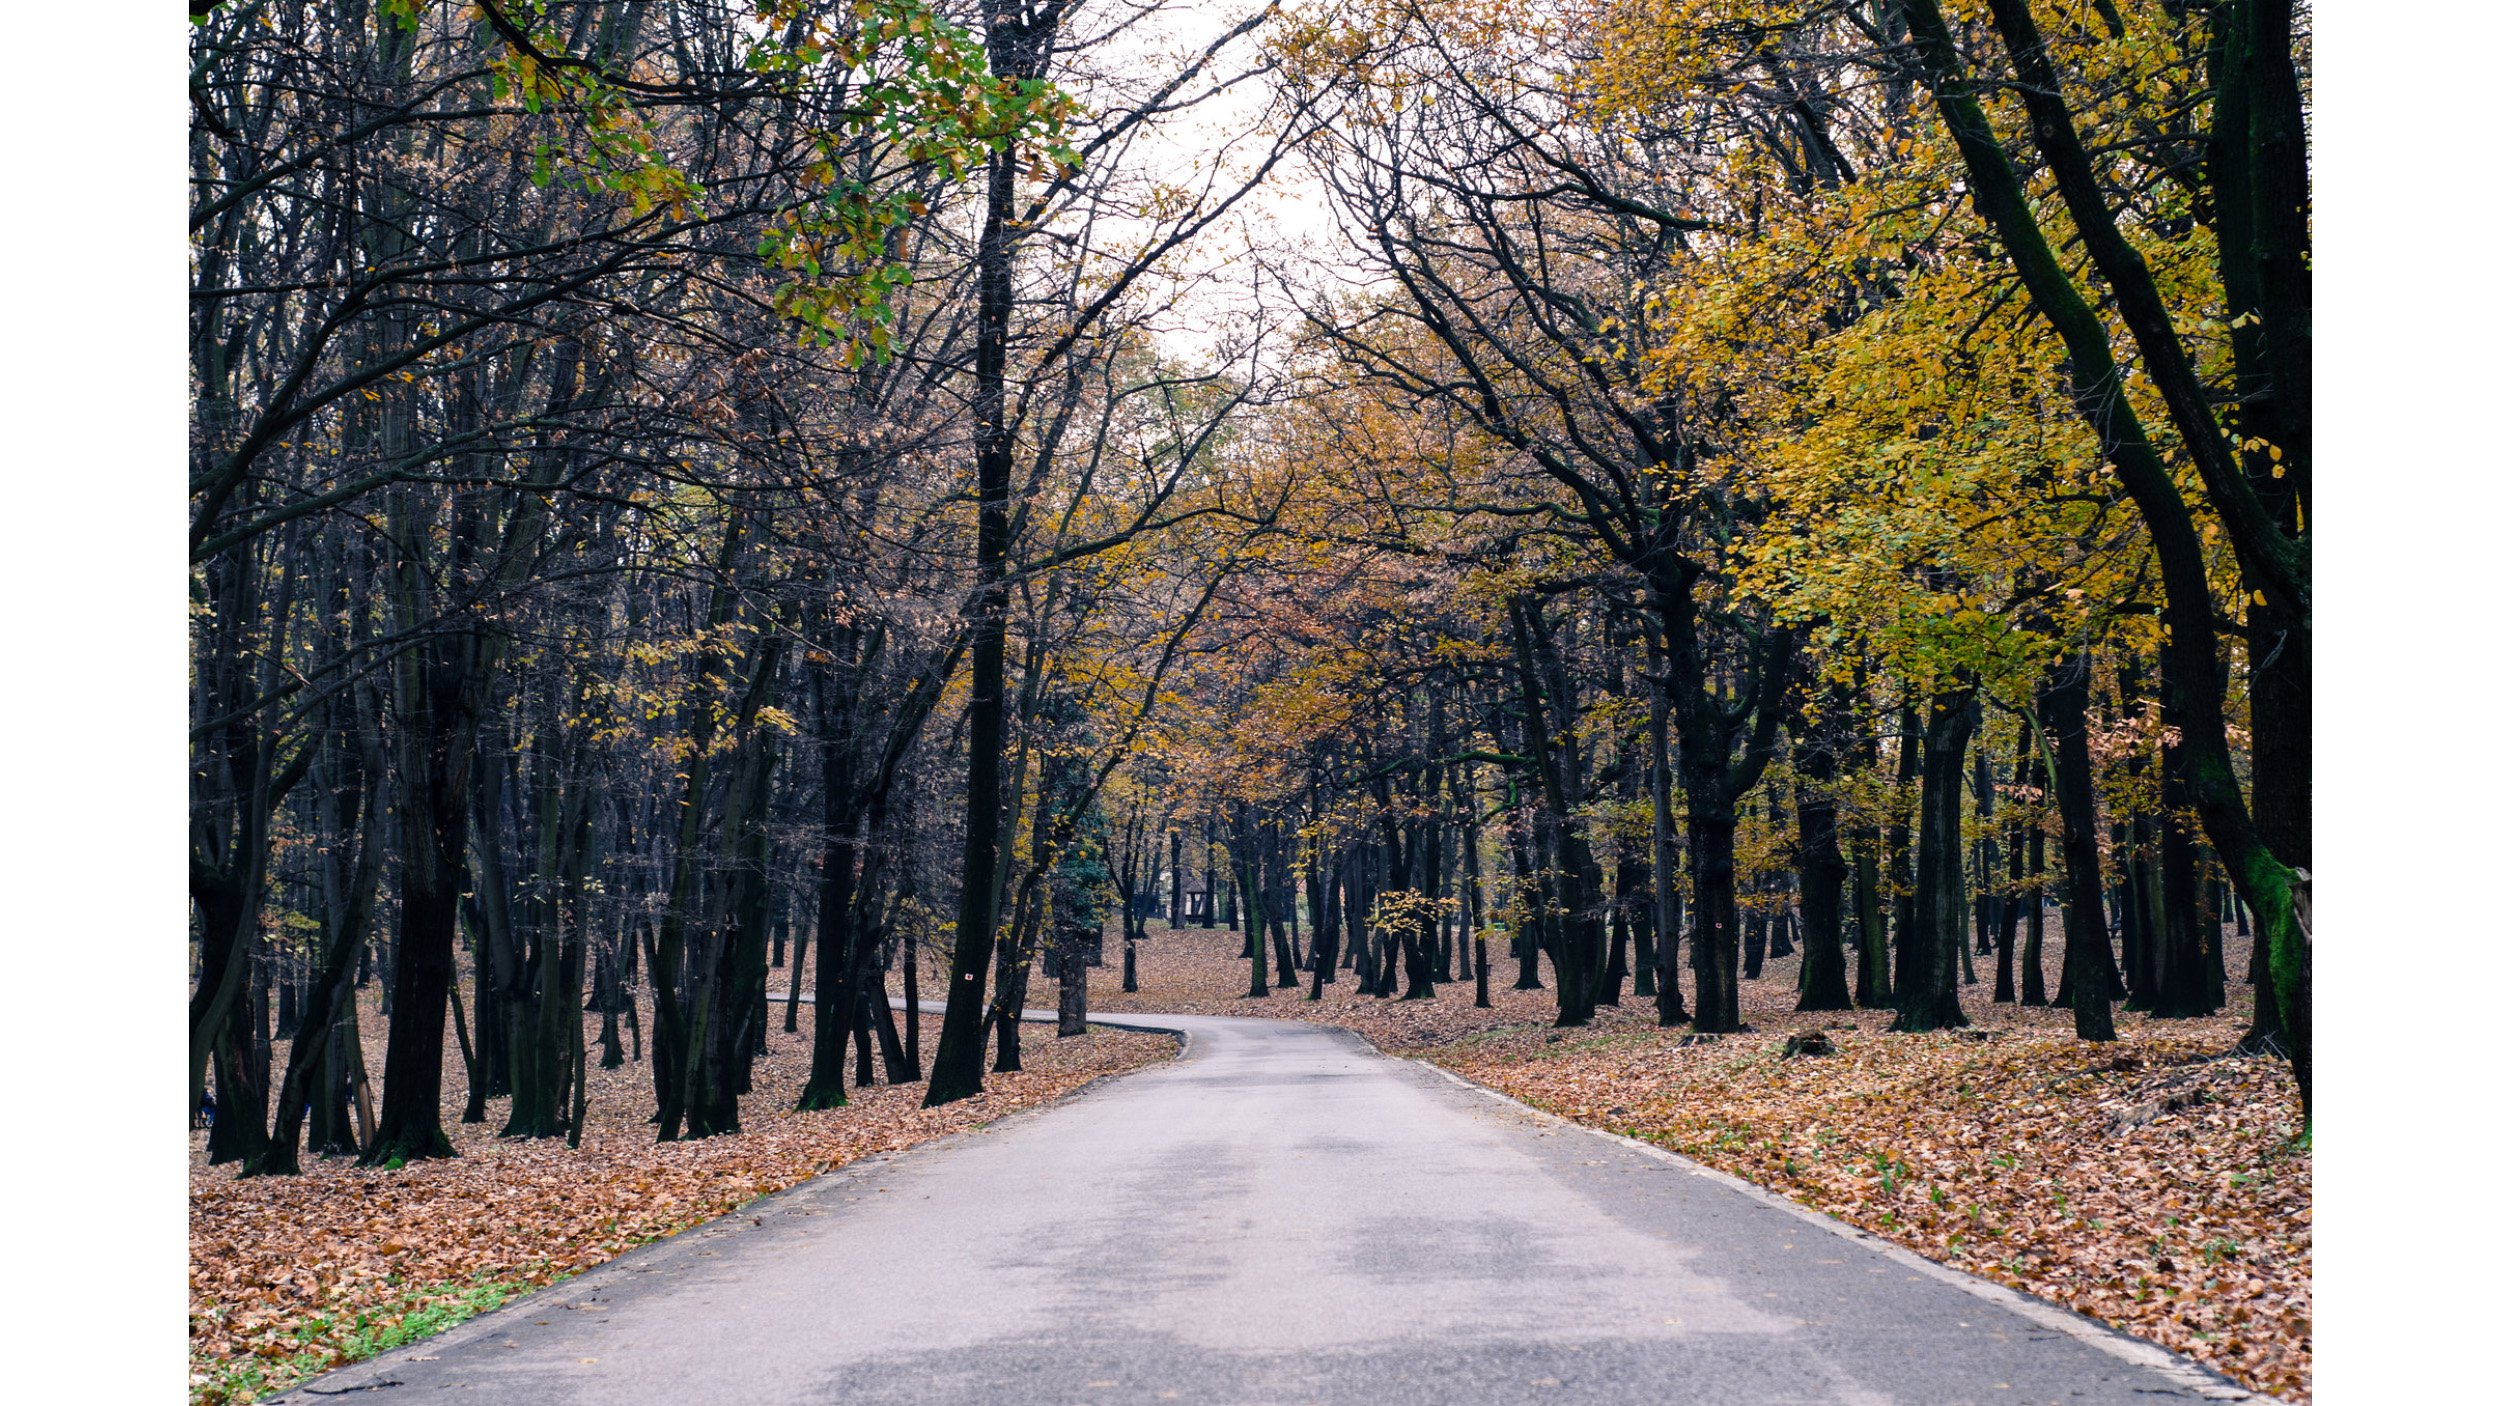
319,1342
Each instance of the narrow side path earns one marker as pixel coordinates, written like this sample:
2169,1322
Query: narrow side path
1283,1215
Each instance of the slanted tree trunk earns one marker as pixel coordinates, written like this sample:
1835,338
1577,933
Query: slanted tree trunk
2260,174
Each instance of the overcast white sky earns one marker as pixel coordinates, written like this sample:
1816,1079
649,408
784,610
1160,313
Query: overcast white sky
1287,218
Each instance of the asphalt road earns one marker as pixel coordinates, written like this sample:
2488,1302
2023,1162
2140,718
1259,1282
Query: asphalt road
1283,1215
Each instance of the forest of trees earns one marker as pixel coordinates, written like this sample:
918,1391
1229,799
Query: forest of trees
696,498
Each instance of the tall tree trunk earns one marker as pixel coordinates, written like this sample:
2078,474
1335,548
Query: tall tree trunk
1579,952
1667,903
1017,48
1528,880
1929,996
1618,938
1173,918
347,792
1900,854
2062,706
1822,871
2016,898
2180,989
1246,881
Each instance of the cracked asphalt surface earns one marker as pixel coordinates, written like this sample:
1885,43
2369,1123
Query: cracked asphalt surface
1283,1215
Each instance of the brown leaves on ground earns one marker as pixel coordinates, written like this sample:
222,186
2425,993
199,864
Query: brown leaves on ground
2148,1183
2155,1183
293,1275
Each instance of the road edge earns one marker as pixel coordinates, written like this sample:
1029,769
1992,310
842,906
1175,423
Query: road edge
2184,1372
682,1240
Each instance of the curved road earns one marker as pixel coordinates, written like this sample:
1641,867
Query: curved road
1282,1215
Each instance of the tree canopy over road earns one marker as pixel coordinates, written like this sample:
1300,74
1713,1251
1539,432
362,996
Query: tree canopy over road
699,503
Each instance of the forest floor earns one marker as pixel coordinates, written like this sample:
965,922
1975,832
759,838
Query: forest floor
2157,1183
291,1276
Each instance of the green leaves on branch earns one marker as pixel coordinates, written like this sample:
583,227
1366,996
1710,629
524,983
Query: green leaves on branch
904,74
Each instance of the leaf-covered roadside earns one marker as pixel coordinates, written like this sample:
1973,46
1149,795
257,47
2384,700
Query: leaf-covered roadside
2154,1183
290,1276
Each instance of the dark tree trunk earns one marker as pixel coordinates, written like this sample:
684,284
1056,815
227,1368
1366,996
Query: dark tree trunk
2062,702
1247,882
1897,846
1988,877
603,980
2180,987
1415,938
1823,976
1351,904
1713,856
1619,938
410,1126
1018,50
1780,943
1318,885
1667,903
2010,906
1929,996
798,974
911,991
2036,858
835,939
2209,922
241,1132
1757,936
1580,932
1531,885
1173,918
322,1064
2035,922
